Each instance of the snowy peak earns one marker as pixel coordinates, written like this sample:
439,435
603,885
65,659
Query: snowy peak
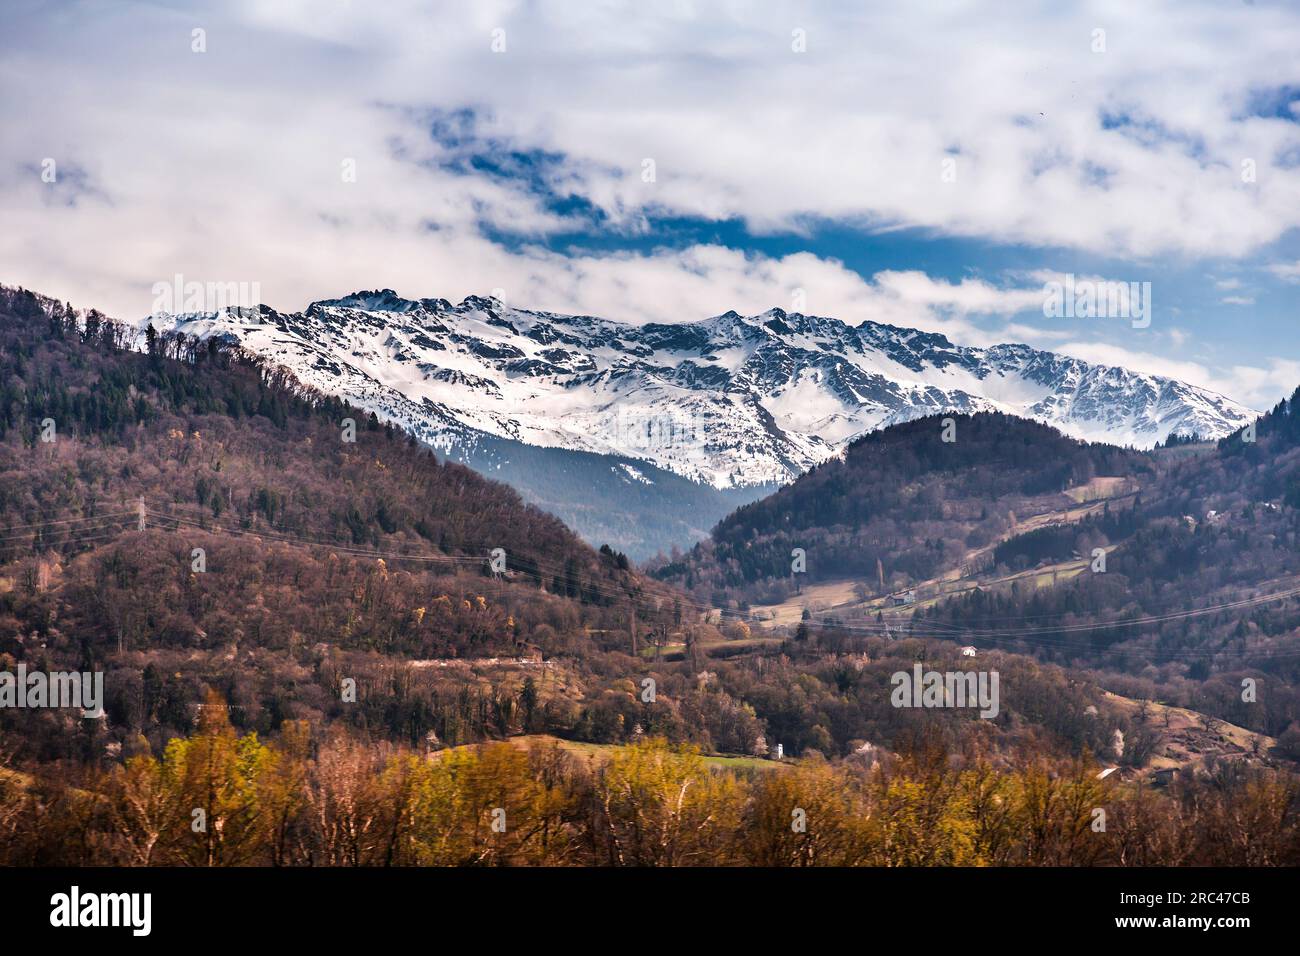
731,400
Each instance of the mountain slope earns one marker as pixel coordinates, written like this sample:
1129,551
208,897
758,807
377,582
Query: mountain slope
318,558
900,506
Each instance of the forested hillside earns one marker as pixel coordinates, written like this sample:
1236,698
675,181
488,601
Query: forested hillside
1201,588
320,558
903,497
324,560
1172,574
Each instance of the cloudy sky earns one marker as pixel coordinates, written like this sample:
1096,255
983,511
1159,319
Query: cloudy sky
924,164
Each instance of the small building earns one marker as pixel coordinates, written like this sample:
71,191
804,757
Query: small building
907,597
777,752
528,653
968,651
869,754
1164,776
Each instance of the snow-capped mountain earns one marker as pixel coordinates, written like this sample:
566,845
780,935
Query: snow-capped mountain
732,401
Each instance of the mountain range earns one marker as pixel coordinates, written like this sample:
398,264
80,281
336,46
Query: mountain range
732,406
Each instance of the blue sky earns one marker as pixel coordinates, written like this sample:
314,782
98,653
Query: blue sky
927,165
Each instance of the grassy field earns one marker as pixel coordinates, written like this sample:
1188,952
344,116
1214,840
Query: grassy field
1187,738
1100,488
841,597
823,596
599,753
711,648
927,593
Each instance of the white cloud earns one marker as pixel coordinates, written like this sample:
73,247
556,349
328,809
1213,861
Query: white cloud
225,165
1251,385
1263,387
699,281
1286,271
242,144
